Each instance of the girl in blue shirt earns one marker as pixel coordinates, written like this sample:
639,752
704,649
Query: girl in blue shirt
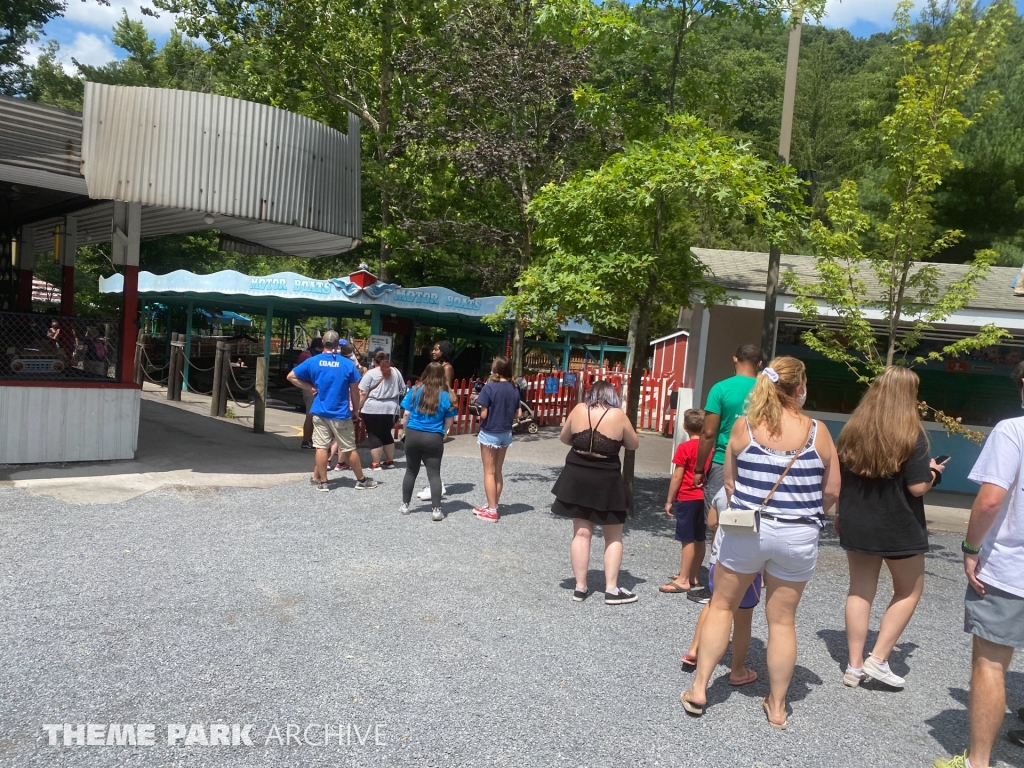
428,415
499,408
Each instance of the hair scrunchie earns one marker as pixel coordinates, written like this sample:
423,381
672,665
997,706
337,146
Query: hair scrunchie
771,374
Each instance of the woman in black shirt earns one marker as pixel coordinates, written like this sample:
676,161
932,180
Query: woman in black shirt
886,471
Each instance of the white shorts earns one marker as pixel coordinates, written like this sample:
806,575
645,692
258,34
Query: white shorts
787,551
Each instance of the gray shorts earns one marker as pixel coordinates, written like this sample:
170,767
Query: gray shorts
713,482
997,617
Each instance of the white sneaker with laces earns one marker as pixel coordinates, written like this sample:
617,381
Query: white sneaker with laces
424,495
437,515
882,673
852,678
404,509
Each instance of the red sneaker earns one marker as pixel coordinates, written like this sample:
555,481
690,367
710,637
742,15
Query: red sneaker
491,515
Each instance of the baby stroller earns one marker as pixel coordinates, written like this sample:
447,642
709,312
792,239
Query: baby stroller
527,417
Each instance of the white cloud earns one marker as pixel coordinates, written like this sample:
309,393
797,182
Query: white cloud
86,47
848,12
103,17
90,49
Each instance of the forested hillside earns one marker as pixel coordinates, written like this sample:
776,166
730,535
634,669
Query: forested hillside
470,108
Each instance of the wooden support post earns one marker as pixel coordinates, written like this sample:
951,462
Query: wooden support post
225,379
138,363
187,347
218,376
259,407
172,362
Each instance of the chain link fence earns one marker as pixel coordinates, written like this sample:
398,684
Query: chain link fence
37,347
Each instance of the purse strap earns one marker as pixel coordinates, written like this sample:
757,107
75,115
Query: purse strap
796,455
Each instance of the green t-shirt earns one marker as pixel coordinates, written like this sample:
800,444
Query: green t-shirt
728,398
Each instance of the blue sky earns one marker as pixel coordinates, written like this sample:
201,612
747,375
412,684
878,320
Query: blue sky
84,32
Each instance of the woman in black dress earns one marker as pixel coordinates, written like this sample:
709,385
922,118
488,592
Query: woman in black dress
886,471
590,489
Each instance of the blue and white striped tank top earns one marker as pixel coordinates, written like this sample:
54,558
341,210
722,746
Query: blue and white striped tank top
800,492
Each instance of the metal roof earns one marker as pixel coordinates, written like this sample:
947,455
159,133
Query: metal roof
40,137
273,181
748,271
202,152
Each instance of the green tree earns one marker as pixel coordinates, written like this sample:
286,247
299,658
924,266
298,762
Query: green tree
917,138
21,21
616,240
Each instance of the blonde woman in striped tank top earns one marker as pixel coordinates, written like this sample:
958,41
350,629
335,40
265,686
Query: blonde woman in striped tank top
785,547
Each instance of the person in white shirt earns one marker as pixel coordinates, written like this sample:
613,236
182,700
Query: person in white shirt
994,564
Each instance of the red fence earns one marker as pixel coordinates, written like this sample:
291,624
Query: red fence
552,396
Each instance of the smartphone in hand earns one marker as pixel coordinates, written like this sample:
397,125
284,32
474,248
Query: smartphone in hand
941,459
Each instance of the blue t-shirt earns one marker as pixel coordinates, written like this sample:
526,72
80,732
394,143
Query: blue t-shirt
501,399
331,374
428,422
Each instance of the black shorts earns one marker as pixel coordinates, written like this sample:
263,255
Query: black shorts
690,524
379,428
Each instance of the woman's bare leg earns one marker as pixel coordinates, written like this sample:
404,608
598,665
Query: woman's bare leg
783,598
864,570
907,585
579,550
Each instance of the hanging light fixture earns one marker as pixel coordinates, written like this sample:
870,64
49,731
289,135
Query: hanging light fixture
58,243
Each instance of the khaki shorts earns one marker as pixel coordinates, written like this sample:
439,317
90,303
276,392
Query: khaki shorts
325,430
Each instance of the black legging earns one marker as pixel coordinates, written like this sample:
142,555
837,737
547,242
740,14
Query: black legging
378,429
426,447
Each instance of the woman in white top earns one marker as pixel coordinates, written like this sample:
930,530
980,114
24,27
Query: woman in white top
380,392
774,436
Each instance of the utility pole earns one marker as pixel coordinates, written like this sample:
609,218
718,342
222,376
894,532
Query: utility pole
785,140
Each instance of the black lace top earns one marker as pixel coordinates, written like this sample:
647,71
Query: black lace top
590,442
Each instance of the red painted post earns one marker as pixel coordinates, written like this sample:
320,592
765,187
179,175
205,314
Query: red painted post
129,316
67,291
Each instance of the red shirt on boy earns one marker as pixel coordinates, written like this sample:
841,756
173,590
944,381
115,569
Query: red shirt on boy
686,457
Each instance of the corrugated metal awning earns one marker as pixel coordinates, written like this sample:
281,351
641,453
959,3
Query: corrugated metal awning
271,181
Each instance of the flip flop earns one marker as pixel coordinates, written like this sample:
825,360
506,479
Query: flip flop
672,588
777,726
692,709
689,663
751,678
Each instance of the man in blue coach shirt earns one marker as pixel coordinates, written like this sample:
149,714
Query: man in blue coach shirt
333,380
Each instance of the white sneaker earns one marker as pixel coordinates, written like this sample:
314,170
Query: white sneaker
882,673
437,516
404,509
851,678
424,495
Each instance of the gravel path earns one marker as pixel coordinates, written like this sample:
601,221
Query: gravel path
457,640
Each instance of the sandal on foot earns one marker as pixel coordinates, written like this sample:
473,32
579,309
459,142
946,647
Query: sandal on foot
673,588
777,726
689,663
693,709
750,678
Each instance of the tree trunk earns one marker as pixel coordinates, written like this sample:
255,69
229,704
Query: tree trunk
638,353
518,341
383,136
525,254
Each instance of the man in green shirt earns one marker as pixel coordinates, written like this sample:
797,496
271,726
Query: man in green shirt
726,402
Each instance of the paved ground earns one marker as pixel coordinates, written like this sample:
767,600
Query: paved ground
459,639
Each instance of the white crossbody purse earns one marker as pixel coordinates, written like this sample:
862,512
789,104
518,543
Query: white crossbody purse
748,520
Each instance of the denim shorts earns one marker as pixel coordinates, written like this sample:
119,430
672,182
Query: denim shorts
495,439
787,551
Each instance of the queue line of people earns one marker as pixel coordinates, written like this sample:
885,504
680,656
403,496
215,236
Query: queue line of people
780,472
765,474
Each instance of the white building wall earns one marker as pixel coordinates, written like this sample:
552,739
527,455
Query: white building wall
54,424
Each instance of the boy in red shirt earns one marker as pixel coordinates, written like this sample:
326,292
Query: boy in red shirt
686,503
